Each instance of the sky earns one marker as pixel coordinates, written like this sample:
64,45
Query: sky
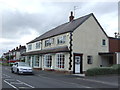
23,20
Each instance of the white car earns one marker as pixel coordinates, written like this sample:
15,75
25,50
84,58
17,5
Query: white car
21,68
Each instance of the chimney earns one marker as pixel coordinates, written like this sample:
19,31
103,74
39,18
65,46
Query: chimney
71,17
115,34
16,48
20,46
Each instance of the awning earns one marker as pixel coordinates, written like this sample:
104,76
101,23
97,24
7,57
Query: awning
46,51
106,53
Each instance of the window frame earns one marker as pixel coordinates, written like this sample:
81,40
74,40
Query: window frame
48,60
37,61
30,47
89,59
37,44
49,42
60,60
103,42
61,39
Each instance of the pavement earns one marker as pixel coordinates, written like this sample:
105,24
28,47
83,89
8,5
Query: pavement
100,78
51,79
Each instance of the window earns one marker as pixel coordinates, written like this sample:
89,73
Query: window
48,60
37,45
60,60
52,40
30,47
61,40
103,42
36,60
89,59
49,42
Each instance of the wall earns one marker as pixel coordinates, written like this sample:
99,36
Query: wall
55,41
114,45
42,63
17,55
87,39
33,47
54,63
51,46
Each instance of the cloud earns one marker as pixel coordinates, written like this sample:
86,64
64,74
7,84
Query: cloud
25,20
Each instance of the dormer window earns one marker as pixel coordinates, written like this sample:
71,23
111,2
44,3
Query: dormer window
37,45
30,47
61,40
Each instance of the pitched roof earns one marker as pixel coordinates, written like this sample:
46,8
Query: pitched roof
64,28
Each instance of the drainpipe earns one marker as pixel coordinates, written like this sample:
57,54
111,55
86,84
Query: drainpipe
116,57
70,58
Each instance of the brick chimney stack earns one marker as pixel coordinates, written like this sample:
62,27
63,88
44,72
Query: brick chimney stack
71,17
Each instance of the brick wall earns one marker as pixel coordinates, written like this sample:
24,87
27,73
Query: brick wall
114,44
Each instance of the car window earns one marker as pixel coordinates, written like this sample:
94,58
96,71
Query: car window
23,64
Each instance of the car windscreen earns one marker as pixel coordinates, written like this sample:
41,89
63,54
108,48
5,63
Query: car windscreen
23,64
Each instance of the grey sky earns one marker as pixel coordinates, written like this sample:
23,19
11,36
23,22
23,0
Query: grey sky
25,20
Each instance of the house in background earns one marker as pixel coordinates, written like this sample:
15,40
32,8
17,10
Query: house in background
15,54
113,56
71,47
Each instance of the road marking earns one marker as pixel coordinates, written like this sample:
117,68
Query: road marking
15,83
26,84
99,81
66,82
11,82
20,82
11,85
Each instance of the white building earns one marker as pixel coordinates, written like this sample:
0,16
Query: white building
71,47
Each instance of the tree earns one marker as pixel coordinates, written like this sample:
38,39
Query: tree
12,56
7,57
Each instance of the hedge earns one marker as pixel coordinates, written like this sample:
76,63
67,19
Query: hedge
6,64
115,69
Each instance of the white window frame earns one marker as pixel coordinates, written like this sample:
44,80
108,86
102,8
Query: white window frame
103,42
61,39
30,47
48,58
49,42
59,62
37,45
37,61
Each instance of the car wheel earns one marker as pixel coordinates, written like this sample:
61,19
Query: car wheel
12,70
18,71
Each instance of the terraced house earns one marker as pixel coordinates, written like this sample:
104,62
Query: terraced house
71,47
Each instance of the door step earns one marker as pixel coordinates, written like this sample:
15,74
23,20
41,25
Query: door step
81,75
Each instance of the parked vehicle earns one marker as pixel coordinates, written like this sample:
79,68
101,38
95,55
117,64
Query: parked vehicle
21,68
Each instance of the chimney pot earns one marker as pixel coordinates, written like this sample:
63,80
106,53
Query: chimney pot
20,46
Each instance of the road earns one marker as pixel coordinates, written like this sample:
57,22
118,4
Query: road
45,79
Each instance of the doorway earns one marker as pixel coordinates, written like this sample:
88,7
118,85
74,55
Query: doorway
77,63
